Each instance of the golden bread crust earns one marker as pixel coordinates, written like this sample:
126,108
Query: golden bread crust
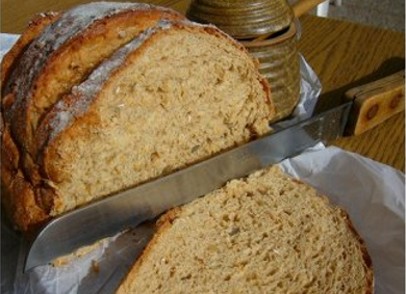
369,278
17,194
34,28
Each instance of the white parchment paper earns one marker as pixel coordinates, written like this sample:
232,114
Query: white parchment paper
373,194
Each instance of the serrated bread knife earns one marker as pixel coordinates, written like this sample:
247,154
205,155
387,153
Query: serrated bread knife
367,106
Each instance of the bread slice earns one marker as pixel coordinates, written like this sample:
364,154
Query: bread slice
263,234
176,94
64,54
173,96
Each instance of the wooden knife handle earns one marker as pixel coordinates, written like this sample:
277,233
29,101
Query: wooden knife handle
301,7
375,102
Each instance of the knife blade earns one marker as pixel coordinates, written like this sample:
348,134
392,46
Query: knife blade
129,208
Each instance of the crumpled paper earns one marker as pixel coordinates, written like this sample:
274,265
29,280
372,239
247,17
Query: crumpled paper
99,271
372,194
310,89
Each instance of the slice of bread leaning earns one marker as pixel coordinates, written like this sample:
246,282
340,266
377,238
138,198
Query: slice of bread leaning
173,95
267,233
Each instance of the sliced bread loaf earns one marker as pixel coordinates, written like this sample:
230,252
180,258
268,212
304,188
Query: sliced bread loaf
173,95
64,54
264,234
52,55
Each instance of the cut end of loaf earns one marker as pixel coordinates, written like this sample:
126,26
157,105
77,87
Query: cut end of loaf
187,92
264,234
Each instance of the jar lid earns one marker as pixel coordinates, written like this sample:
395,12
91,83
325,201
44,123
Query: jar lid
243,19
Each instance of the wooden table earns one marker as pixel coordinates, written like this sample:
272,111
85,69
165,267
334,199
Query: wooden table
343,55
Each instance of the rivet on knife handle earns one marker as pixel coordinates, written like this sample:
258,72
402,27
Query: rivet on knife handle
375,102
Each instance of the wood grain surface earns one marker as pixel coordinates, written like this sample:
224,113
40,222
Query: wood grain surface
343,55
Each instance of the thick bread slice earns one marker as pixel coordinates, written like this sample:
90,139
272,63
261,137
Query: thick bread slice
64,54
264,234
175,95
34,28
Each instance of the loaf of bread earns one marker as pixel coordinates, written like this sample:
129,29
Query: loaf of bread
110,95
263,234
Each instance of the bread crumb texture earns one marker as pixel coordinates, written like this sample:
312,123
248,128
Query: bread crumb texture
263,234
180,97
